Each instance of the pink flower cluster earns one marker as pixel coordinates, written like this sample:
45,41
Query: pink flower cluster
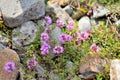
59,23
70,25
44,37
58,49
31,63
47,20
64,37
45,48
9,66
81,36
94,47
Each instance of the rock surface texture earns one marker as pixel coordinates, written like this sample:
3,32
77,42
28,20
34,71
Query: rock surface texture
24,35
56,33
3,39
39,69
115,70
117,23
68,9
100,11
16,12
1,46
84,24
60,13
60,2
91,65
7,55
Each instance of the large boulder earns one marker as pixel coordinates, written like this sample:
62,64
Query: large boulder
115,70
16,12
91,65
24,35
7,55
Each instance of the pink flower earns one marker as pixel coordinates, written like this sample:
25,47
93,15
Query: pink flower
70,22
47,20
9,66
88,31
69,27
83,35
89,12
58,49
94,47
95,7
68,37
59,23
76,34
44,36
64,37
31,63
77,41
45,48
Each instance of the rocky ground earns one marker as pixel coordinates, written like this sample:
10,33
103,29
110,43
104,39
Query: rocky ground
59,40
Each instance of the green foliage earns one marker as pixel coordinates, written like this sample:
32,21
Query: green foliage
99,77
108,1
107,40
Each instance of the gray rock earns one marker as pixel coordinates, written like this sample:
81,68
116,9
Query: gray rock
24,35
7,55
33,79
84,24
69,65
69,68
55,34
1,46
40,72
60,13
4,39
54,76
115,70
100,12
68,9
16,12
94,21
